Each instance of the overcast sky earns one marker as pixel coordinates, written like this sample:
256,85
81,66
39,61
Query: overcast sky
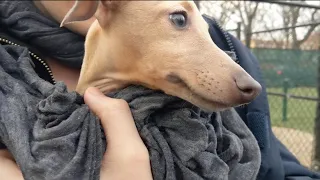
272,18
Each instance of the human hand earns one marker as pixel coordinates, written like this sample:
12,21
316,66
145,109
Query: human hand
126,156
8,167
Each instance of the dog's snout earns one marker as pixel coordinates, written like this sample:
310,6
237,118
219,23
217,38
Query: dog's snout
249,88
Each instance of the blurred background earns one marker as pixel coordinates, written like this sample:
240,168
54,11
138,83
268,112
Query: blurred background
285,37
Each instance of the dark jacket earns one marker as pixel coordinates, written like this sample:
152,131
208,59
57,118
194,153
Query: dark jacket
277,162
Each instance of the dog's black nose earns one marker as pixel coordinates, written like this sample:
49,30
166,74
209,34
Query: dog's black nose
249,88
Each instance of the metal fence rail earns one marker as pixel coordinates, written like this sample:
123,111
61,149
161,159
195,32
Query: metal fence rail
296,4
291,80
293,101
294,96
293,108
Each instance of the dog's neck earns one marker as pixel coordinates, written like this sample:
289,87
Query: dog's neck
97,68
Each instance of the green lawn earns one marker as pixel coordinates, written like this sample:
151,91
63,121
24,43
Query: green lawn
300,113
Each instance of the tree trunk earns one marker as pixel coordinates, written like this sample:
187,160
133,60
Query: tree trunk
248,33
296,45
248,39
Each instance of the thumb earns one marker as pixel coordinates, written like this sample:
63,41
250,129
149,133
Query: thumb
115,117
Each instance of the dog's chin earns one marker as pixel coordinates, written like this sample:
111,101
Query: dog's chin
204,103
207,104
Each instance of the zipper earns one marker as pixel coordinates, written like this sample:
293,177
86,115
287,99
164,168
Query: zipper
228,39
45,65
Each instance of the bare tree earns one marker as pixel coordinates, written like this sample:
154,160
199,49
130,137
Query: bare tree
281,38
290,18
247,12
295,14
220,10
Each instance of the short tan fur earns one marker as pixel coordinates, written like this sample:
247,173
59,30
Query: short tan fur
142,42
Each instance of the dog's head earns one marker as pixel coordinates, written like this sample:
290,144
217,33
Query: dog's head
162,45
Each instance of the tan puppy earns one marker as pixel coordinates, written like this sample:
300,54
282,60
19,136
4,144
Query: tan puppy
163,45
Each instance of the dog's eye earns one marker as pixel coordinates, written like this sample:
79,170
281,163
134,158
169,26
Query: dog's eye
179,19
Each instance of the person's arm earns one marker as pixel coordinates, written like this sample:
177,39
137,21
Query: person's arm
8,167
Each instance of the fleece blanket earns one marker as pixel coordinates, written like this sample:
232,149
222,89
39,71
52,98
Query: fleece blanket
53,135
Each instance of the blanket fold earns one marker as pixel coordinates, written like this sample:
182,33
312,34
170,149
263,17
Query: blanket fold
53,135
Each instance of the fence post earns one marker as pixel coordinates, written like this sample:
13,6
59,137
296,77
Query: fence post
238,30
285,99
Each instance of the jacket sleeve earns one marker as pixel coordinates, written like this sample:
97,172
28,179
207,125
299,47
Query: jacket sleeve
277,162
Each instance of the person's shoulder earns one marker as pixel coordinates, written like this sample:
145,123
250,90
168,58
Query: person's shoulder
210,20
218,35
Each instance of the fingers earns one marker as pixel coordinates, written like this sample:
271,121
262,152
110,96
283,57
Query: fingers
8,167
126,156
116,119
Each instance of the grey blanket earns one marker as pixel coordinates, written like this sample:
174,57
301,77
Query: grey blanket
53,135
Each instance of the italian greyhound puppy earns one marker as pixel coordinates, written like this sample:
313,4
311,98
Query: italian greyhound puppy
162,45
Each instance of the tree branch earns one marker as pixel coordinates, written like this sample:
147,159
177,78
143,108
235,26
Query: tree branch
306,36
295,12
278,43
313,15
255,9
237,5
245,7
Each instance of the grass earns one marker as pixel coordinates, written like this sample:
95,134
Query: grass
300,113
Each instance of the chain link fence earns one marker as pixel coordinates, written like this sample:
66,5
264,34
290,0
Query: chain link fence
285,37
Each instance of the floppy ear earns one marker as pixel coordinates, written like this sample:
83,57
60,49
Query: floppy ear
80,11
85,9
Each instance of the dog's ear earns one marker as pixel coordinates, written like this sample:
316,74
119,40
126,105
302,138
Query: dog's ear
84,10
105,11
80,11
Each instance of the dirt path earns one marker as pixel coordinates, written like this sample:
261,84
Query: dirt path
298,142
